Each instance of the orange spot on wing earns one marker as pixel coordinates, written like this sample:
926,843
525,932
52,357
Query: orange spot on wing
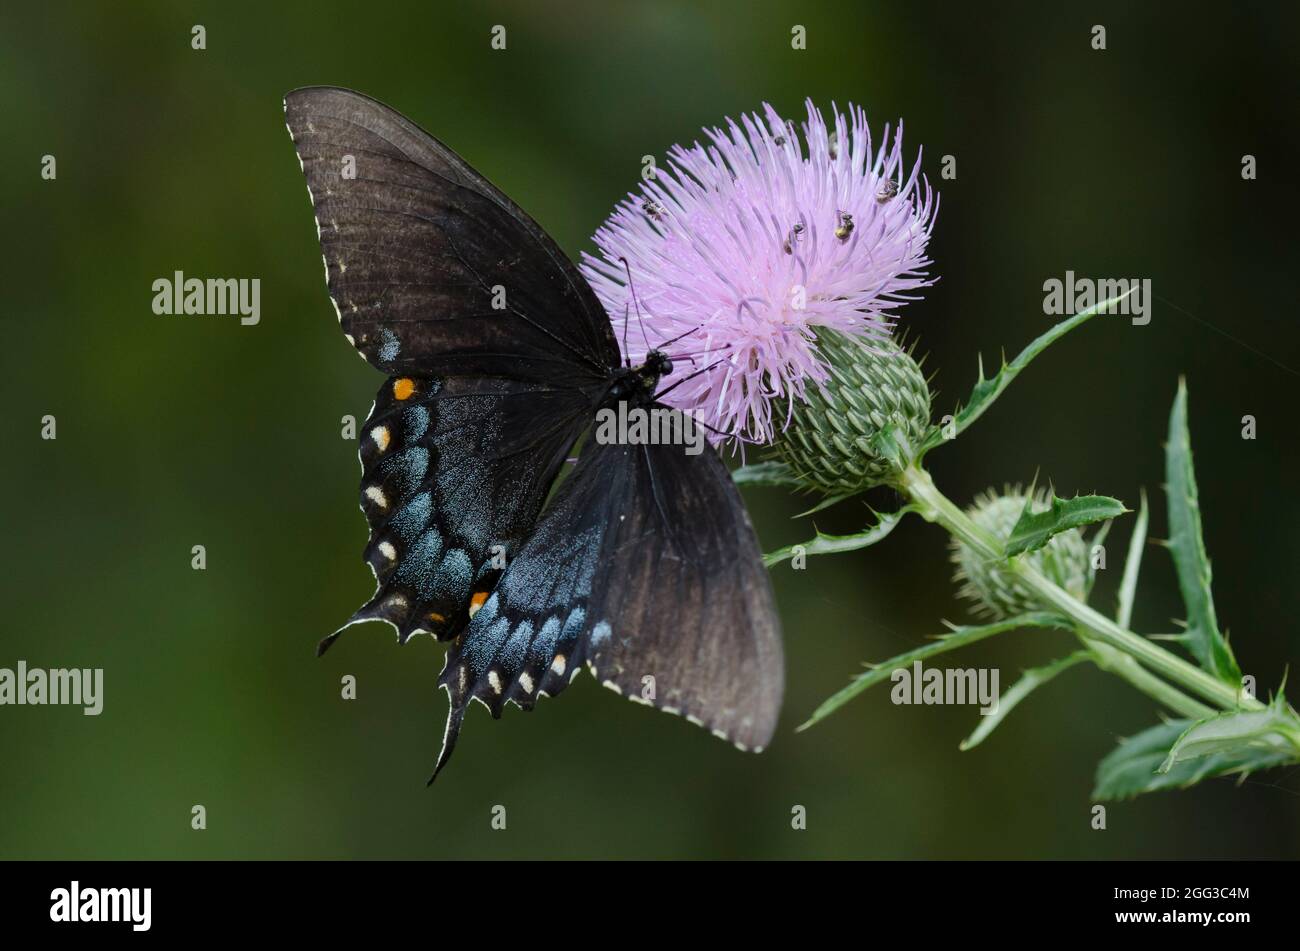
403,388
436,617
476,601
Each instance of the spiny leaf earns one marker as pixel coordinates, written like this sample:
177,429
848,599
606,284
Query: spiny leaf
1272,730
958,637
1035,529
1132,563
1028,681
828,501
834,544
1131,768
772,473
1187,546
986,391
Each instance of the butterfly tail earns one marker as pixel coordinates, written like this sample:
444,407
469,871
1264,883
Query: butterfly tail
373,610
327,642
452,731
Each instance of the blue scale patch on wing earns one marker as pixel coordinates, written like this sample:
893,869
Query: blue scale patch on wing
454,472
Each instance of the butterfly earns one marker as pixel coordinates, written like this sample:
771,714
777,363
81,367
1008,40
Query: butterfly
641,565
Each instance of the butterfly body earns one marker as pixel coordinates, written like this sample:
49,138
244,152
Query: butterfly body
641,566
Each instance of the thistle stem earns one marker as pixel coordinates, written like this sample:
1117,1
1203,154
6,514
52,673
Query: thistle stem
1138,656
1122,665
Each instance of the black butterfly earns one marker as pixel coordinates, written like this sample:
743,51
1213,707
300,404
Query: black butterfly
643,565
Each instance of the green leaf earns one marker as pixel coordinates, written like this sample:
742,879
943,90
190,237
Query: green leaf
1028,681
828,501
958,637
1132,563
1187,546
1271,730
986,391
1035,529
766,473
834,544
1131,768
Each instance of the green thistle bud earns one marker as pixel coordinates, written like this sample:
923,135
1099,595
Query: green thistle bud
992,586
873,384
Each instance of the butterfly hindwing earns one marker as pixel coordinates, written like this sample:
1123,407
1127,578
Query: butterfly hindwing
454,472
433,271
645,567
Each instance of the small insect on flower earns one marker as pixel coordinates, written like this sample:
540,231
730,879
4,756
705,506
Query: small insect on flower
778,232
795,234
845,226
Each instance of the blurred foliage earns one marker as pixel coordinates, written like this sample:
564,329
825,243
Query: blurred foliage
181,431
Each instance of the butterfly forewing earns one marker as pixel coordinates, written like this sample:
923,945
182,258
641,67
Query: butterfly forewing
432,269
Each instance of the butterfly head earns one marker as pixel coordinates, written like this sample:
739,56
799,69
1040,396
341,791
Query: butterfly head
637,385
657,365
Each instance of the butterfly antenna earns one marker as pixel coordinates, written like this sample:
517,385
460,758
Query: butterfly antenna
669,343
688,378
639,319
690,356
687,354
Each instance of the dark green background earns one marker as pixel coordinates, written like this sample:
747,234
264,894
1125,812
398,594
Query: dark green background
181,431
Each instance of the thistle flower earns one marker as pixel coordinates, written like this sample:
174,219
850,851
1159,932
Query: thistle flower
991,585
741,250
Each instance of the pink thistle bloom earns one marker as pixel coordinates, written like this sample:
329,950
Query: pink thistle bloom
742,248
